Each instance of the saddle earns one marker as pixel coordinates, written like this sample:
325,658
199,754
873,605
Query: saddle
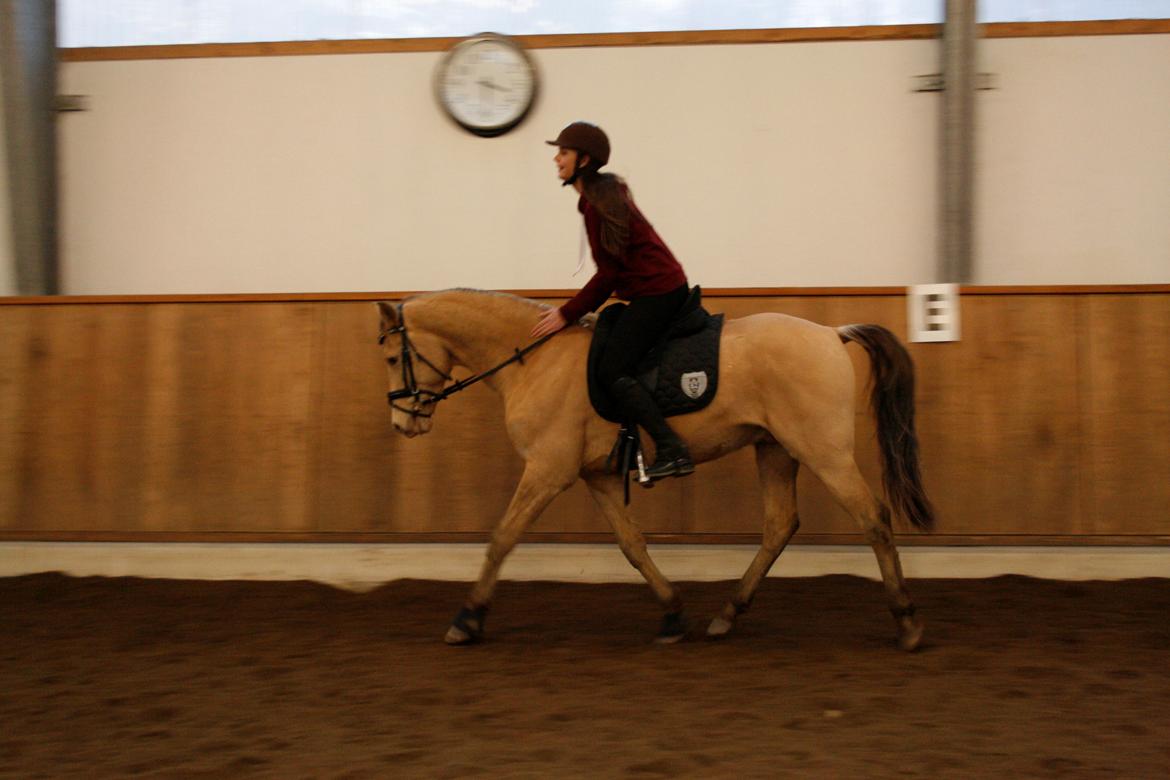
681,371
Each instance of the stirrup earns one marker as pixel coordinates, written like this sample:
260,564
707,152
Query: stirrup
644,479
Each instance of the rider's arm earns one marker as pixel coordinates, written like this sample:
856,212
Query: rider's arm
595,292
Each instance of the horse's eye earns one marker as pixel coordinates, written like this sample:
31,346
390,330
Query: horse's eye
392,361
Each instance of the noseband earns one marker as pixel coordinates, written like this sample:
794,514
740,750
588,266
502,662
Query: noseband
421,397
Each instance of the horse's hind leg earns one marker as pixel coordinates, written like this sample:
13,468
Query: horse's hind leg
535,491
607,492
845,482
778,479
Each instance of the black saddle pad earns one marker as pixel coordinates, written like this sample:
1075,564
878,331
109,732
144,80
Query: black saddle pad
681,373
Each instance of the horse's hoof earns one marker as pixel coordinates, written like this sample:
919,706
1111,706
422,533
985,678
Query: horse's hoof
467,628
910,634
457,636
719,627
674,628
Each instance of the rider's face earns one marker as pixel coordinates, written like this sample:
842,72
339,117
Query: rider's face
566,160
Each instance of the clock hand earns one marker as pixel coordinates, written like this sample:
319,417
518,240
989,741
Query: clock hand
492,85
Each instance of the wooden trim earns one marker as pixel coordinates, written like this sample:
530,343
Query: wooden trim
51,300
712,292
259,49
721,292
903,540
1072,29
583,40
1065,289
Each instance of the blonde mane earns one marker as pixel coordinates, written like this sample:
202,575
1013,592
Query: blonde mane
490,295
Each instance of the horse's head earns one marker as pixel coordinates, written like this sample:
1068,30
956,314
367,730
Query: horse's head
417,364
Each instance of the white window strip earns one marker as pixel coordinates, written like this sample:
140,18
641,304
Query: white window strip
149,22
160,22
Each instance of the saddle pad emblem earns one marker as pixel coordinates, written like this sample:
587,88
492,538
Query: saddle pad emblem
694,384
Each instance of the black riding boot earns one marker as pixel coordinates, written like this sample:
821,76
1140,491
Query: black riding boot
671,456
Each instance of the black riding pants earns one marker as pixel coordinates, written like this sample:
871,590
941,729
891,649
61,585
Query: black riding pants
636,331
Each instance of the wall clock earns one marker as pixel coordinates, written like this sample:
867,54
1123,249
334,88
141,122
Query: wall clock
486,83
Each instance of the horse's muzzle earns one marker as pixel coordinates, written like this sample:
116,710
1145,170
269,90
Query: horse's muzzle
409,433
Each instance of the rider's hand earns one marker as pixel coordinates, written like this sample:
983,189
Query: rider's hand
550,322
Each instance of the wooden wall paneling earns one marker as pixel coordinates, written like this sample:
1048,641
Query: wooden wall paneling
353,447
18,334
723,496
114,436
50,381
1048,420
15,330
228,407
1000,418
48,463
73,429
1126,411
477,469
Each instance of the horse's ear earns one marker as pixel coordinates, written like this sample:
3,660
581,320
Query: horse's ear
389,313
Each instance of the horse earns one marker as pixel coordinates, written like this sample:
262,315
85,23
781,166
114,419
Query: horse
786,388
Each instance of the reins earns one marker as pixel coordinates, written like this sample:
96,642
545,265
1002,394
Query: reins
422,397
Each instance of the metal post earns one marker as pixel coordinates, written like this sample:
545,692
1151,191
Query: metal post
28,58
958,142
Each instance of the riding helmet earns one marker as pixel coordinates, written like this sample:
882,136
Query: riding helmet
587,138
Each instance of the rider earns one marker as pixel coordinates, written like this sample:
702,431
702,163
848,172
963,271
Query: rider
633,262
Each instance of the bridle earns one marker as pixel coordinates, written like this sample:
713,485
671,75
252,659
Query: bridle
421,397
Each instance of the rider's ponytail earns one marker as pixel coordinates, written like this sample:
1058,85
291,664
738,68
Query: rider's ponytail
609,196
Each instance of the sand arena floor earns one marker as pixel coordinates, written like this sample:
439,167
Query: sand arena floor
163,678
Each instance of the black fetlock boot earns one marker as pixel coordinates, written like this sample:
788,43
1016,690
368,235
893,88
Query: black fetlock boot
671,456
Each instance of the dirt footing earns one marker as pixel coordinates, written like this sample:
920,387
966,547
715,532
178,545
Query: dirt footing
1017,677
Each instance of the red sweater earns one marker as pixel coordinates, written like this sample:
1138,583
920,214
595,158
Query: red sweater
647,267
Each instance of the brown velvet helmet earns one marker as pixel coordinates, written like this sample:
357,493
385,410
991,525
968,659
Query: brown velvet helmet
587,138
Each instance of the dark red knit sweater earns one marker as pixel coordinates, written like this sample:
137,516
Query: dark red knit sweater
647,267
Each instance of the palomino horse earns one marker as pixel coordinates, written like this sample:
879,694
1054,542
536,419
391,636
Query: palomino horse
786,387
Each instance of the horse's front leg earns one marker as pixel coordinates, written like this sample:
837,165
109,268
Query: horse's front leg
607,492
536,490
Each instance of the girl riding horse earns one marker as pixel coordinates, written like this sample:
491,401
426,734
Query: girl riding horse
635,263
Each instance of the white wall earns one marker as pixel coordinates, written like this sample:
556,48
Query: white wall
762,165
1074,161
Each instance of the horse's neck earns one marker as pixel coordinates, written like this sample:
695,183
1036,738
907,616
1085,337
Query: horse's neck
479,330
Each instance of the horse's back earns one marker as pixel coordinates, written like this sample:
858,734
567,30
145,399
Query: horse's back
789,363
793,339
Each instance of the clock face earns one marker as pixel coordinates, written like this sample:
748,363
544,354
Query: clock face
487,84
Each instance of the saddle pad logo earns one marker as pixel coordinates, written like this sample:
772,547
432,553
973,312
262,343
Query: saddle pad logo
694,384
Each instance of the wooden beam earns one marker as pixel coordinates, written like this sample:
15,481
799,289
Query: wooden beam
712,292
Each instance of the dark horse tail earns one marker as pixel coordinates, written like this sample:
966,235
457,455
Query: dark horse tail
892,398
